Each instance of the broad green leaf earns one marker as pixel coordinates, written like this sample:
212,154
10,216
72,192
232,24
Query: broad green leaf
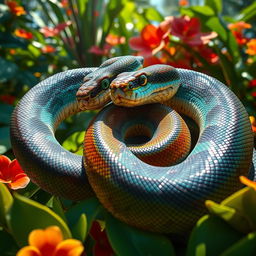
26,215
5,113
248,13
211,236
235,218
244,201
216,5
152,14
8,247
79,230
55,204
126,240
214,24
245,247
5,203
5,143
74,143
202,10
8,70
91,207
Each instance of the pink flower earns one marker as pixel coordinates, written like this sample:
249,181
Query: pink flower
51,32
187,30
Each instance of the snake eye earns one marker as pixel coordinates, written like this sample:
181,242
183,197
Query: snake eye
104,84
143,80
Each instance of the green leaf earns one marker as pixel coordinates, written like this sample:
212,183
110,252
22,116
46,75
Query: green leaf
248,13
5,203
26,215
126,240
91,207
202,10
79,230
230,215
5,143
8,246
245,247
216,5
5,113
8,70
211,236
74,143
9,41
152,14
27,78
56,206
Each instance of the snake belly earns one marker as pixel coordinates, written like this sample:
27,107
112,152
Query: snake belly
33,124
171,199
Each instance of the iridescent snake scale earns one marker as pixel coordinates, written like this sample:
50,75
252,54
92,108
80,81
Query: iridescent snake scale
160,199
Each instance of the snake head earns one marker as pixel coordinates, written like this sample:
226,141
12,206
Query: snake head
94,93
156,83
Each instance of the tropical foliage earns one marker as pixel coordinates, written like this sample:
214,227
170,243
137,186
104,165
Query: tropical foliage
40,38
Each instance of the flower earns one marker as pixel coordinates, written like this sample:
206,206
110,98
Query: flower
50,32
183,2
102,246
48,49
187,30
105,51
23,33
253,123
151,40
252,83
8,99
208,54
237,29
49,242
12,174
114,39
15,8
251,47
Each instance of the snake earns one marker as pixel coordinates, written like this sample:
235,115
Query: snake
148,195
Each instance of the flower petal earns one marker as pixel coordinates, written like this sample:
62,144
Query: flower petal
29,251
4,168
15,168
150,36
136,43
20,181
69,247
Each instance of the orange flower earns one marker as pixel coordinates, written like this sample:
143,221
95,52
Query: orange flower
23,33
114,39
15,8
251,47
237,30
48,49
253,122
12,174
49,242
183,2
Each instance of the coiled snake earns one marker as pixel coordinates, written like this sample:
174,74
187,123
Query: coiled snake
150,196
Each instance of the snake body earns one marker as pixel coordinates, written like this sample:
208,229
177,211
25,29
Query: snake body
161,199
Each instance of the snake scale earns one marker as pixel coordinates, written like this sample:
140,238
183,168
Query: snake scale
166,198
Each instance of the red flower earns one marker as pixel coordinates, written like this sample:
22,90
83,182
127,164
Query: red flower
105,51
208,54
102,246
237,30
12,174
50,32
48,49
252,83
8,99
151,40
23,33
253,94
187,30
15,8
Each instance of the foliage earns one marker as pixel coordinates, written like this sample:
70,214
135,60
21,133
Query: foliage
38,40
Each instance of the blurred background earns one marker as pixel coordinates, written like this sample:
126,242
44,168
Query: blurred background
43,37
